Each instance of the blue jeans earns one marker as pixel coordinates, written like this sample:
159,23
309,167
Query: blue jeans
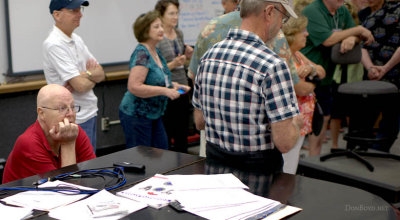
90,128
143,131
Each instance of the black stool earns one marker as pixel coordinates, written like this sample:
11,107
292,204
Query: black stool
364,101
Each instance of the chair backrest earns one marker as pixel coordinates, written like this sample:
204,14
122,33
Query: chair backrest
350,57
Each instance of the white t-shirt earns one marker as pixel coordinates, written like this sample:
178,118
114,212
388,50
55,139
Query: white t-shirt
63,59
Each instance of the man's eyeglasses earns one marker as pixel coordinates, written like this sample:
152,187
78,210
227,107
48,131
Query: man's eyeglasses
284,19
64,109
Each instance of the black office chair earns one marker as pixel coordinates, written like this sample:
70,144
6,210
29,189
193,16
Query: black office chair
364,102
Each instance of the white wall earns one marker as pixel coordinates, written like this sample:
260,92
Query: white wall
3,44
194,15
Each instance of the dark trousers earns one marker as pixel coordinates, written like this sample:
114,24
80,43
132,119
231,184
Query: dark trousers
268,161
142,131
176,122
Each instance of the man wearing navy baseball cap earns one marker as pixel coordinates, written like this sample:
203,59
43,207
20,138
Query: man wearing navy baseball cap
68,62
69,4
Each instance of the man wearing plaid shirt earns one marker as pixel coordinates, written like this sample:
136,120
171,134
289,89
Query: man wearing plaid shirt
244,95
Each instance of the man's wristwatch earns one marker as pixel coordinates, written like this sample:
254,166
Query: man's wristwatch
89,73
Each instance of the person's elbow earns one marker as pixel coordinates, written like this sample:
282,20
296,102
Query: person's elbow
284,142
134,88
284,135
303,88
199,120
200,125
285,147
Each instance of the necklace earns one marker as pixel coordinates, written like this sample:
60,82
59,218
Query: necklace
154,55
156,59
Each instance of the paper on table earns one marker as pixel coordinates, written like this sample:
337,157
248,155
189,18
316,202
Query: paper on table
223,203
240,211
155,191
44,200
216,181
11,213
213,198
223,197
248,211
102,205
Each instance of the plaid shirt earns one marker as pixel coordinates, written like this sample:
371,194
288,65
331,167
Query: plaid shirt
241,87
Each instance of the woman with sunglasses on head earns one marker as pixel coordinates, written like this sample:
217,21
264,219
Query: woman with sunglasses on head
173,49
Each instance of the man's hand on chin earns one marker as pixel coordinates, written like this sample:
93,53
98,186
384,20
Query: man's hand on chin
64,132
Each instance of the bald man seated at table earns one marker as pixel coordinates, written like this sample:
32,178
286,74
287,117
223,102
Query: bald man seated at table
53,141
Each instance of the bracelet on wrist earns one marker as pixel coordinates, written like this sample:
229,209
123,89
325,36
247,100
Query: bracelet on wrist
314,71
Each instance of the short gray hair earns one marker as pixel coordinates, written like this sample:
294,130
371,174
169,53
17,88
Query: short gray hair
252,7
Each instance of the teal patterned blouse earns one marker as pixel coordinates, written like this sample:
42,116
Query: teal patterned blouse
153,107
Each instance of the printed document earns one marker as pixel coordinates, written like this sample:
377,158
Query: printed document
102,205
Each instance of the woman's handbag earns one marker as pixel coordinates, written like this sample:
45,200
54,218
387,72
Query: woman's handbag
318,119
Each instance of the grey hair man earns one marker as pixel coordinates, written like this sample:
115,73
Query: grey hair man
244,95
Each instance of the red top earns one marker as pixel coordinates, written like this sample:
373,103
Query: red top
32,154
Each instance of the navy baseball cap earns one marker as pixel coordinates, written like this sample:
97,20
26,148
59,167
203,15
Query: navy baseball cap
70,4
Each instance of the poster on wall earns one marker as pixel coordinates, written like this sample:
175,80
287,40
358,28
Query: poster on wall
195,15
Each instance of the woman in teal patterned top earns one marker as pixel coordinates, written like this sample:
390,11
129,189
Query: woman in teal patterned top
149,87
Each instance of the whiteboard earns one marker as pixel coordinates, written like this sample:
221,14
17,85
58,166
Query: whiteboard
195,14
106,28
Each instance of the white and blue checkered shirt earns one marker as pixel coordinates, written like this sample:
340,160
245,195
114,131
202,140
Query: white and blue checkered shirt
241,87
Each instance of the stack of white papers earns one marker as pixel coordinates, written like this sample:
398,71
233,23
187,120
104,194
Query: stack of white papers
220,196
223,196
102,205
45,200
156,192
